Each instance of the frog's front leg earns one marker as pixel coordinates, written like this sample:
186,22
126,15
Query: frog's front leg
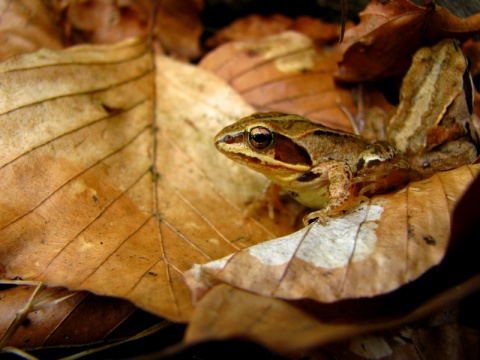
339,190
380,168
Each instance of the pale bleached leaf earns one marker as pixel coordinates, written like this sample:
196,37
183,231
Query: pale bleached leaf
375,248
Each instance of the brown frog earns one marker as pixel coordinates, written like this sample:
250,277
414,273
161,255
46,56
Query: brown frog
320,167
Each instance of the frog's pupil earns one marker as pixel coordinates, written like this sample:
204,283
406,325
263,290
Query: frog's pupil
260,137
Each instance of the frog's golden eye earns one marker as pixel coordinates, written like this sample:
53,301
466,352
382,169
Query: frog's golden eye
260,138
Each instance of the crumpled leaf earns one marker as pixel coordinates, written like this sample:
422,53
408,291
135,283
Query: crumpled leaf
388,34
285,73
255,26
109,179
26,26
472,52
104,22
179,27
227,312
57,317
471,49
406,232
176,24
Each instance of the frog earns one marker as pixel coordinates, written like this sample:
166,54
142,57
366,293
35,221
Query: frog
322,168
432,124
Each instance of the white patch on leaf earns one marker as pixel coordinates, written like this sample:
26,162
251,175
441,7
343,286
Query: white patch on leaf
218,264
351,237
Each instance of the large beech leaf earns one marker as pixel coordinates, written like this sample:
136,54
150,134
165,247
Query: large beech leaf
286,73
109,180
390,240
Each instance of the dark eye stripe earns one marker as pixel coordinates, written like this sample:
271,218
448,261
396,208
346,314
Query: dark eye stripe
288,152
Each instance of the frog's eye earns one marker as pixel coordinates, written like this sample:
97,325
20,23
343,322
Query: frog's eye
260,138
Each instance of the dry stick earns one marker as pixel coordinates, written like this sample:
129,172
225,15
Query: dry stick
22,313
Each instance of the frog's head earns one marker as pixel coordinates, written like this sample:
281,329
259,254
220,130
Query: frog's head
267,142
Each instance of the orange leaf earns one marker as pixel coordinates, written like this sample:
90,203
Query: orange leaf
285,73
253,27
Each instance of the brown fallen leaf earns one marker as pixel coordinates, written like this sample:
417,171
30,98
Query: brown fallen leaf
176,25
249,28
471,49
472,52
254,27
320,32
285,73
388,34
286,326
292,328
57,317
406,232
103,22
26,26
109,179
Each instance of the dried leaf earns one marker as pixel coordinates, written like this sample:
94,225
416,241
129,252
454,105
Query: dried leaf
249,28
26,26
226,312
176,24
105,187
104,22
255,26
406,232
471,50
285,73
320,32
178,27
443,24
389,33
57,317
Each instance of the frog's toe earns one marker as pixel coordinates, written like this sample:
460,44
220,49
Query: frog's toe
316,216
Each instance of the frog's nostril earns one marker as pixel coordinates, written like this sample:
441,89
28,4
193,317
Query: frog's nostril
231,139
